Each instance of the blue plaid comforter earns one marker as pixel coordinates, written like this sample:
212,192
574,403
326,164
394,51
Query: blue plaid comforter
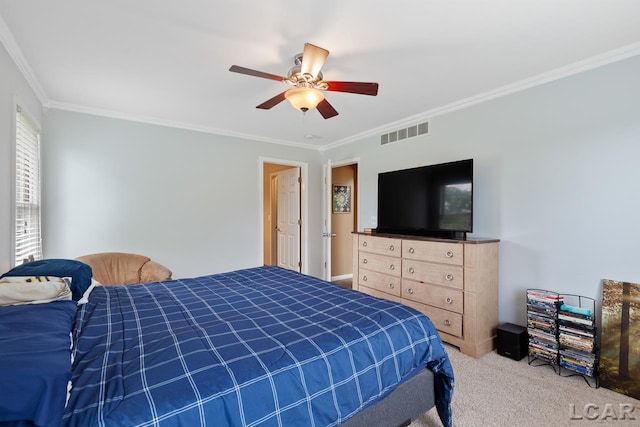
256,347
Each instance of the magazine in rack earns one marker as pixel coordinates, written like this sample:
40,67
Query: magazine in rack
542,325
577,336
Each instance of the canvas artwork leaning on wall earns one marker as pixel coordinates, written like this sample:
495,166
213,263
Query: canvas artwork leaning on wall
620,346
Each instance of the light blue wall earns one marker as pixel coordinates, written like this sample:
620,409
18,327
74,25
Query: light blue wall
557,179
189,200
14,89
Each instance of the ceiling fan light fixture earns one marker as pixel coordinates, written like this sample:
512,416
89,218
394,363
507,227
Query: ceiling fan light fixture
304,98
308,84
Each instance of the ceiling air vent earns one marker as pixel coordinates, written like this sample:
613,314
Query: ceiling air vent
405,133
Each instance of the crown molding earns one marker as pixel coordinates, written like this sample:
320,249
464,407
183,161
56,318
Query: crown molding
15,53
55,105
540,79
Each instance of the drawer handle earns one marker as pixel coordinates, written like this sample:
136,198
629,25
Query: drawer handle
391,248
449,277
448,300
447,322
411,250
411,270
364,278
392,267
391,285
364,244
364,261
449,254
410,291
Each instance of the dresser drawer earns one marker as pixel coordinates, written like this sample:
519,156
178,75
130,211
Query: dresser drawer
443,252
439,296
438,274
378,294
380,263
379,281
380,245
443,320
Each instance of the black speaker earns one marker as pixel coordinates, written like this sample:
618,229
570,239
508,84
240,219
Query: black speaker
512,341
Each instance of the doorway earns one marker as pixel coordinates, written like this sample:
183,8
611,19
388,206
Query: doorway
344,220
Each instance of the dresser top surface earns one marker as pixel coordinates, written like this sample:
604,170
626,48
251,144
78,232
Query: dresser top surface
471,240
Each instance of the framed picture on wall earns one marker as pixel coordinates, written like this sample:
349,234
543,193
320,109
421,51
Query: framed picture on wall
341,199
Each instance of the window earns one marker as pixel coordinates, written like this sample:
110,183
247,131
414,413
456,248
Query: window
28,241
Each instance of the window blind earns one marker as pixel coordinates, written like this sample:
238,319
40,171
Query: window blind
28,241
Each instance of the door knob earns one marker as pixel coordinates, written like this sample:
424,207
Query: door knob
328,234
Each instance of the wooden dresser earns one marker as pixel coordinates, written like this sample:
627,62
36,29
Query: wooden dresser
454,282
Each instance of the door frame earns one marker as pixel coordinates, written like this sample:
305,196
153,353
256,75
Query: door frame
327,195
327,199
273,223
304,205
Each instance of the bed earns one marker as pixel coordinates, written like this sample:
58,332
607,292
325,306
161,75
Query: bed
257,347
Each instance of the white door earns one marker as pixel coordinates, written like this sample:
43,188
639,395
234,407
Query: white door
326,232
289,219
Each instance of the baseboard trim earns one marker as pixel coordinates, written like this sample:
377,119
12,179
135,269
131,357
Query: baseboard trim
342,277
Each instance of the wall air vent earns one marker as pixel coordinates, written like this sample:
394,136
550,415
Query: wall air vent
405,133
393,136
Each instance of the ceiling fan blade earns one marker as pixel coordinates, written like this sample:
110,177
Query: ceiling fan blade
326,109
313,58
267,105
354,87
250,72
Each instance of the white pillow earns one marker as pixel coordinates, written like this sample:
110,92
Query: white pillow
33,290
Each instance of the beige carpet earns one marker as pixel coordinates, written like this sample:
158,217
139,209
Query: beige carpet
498,391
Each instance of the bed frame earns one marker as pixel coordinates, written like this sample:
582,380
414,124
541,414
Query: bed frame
405,404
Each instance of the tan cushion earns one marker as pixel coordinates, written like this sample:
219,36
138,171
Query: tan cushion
154,272
115,268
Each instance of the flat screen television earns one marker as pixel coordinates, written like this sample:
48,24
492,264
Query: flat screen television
435,200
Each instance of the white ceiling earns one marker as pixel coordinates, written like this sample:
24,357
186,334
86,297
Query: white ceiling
167,61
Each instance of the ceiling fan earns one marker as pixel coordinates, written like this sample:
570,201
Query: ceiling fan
308,84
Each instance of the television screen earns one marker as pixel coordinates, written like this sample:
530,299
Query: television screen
429,200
